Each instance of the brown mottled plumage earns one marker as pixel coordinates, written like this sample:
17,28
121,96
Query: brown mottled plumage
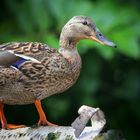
50,71
34,80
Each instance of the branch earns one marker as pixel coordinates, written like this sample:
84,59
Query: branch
78,131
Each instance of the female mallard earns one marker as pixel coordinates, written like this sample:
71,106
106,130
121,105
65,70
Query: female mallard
30,72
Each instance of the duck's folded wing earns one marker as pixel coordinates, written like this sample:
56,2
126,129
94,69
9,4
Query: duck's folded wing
34,69
25,56
33,49
29,66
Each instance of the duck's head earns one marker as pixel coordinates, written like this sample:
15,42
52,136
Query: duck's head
81,27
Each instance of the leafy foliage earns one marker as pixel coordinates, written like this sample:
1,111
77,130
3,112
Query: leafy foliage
109,78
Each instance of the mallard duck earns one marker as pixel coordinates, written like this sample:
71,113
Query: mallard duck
31,71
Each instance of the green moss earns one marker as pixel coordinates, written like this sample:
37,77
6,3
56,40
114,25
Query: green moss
53,136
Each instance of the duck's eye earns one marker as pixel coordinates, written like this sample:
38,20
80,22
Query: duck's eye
85,23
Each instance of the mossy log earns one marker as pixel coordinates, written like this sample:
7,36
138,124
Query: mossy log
78,130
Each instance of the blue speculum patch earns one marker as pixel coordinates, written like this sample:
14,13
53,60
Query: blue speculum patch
19,62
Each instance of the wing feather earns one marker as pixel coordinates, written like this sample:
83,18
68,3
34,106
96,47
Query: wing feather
35,60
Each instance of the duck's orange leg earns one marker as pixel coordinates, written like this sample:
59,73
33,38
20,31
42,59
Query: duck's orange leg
42,120
3,120
2,116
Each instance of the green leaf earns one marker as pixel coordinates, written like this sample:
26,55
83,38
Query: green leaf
52,41
127,42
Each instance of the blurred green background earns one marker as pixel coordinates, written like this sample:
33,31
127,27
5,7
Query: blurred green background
110,78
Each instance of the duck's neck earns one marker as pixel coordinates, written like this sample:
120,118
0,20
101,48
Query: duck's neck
69,51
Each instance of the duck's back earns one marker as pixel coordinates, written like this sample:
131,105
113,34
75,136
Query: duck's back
40,72
32,49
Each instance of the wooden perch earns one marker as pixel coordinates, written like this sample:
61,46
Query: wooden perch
78,131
